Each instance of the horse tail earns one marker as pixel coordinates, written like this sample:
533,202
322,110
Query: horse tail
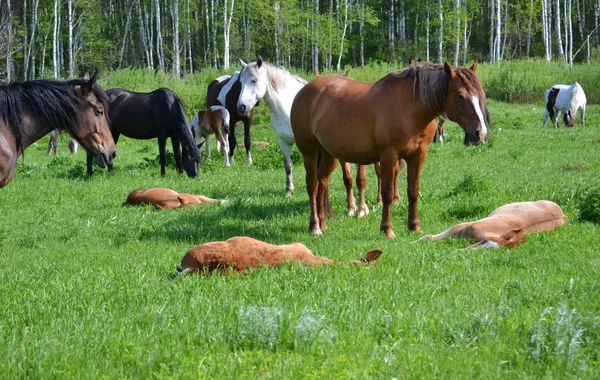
183,129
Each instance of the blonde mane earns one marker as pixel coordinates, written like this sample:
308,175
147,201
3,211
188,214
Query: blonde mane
277,77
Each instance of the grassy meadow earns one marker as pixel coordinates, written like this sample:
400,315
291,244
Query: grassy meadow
88,292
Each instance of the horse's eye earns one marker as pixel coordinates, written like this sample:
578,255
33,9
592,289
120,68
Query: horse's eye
254,80
461,97
99,112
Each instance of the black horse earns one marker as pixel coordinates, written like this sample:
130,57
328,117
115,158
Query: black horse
29,110
157,114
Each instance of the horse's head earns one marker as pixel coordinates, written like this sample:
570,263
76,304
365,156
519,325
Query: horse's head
465,103
253,79
93,132
190,159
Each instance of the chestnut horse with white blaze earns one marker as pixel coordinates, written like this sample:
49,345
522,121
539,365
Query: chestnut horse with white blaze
392,119
213,121
30,110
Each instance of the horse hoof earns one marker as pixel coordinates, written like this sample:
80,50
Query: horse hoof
223,202
363,212
315,232
288,194
351,212
249,161
390,234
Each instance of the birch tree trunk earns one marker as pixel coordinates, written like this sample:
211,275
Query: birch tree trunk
546,29
346,6
529,28
55,41
70,36
159,41
143,40
276,9
189,36
125,33
441,33
226,31
214,34
498,39
206,37
402,23
9,62
427,25
176,47
316,37
361,31
558,32
570,23
458,24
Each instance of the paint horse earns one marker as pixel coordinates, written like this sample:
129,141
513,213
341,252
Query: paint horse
566,99
507,225
240,253
214,120
157,114
335,118
30,110
53,143
224,91
167,199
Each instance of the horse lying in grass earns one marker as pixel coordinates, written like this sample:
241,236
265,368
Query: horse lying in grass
566,99
240,253
507,225
167,199
213,121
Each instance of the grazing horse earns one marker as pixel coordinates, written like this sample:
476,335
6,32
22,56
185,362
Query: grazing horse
394,118
53,143
30,110
224,91
214,120
566,99
157,114
240,253
507,225
167,199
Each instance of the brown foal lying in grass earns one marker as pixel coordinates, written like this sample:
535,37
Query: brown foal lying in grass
507,225
167,199
239,253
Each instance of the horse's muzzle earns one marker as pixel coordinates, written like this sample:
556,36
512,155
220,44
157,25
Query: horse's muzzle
474,137
243,109
104,158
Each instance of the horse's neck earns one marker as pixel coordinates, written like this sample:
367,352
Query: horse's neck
280,100
31,131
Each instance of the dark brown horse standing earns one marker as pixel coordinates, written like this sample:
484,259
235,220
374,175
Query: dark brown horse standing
225,91
391,119
30,110
157,114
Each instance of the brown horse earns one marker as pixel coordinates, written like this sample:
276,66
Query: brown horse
167,199
30,110
507,225
240,253
212,121
394,118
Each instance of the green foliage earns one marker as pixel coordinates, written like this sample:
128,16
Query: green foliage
589,206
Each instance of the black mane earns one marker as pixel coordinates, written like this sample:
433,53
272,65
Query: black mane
50,103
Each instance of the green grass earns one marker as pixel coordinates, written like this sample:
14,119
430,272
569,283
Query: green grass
87,286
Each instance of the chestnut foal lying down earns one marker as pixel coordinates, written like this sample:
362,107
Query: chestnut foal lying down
239,253
167,199
507,225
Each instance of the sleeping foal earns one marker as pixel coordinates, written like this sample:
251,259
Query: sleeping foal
167,199
240,253
507,225
214,120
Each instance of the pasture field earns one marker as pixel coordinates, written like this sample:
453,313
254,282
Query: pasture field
86,284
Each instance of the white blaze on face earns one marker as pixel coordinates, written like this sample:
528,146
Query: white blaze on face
475,101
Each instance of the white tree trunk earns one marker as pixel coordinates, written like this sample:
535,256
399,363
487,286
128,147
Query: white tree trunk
498,39
441,33
529,28
159,41
125,33
458,24
346,6
214,34
276,9
176,47
316,37
427,26
361,30
570,23
70,36
9,62
558,33
142,31
226,31
55,65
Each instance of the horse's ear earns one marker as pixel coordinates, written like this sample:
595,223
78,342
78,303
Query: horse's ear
474,66
449,70
244,64
345,74
86,76
86,88
259,62
317,73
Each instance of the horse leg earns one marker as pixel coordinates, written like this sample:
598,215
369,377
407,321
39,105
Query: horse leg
348,183
554,118
414,166
207,143
583,116
286,148
388,163
396,172
232,143
311,160
53,143
377,167
546,114
177,153
162,155
361,183
248,144
73,145
111,166
326,166
90,164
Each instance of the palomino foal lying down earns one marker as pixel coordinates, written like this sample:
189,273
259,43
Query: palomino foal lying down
167,199
214,120
507,225
240,253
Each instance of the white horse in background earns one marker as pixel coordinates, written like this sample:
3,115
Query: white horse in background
566,99
213,120
279,88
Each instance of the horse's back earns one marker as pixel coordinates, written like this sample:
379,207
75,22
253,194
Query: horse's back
533,216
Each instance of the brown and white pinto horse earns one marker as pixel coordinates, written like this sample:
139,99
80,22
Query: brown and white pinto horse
391,119
213,121
506,225
225,91
240,253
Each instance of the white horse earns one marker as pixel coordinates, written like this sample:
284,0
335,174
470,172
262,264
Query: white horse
566,99
214,120
279,88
